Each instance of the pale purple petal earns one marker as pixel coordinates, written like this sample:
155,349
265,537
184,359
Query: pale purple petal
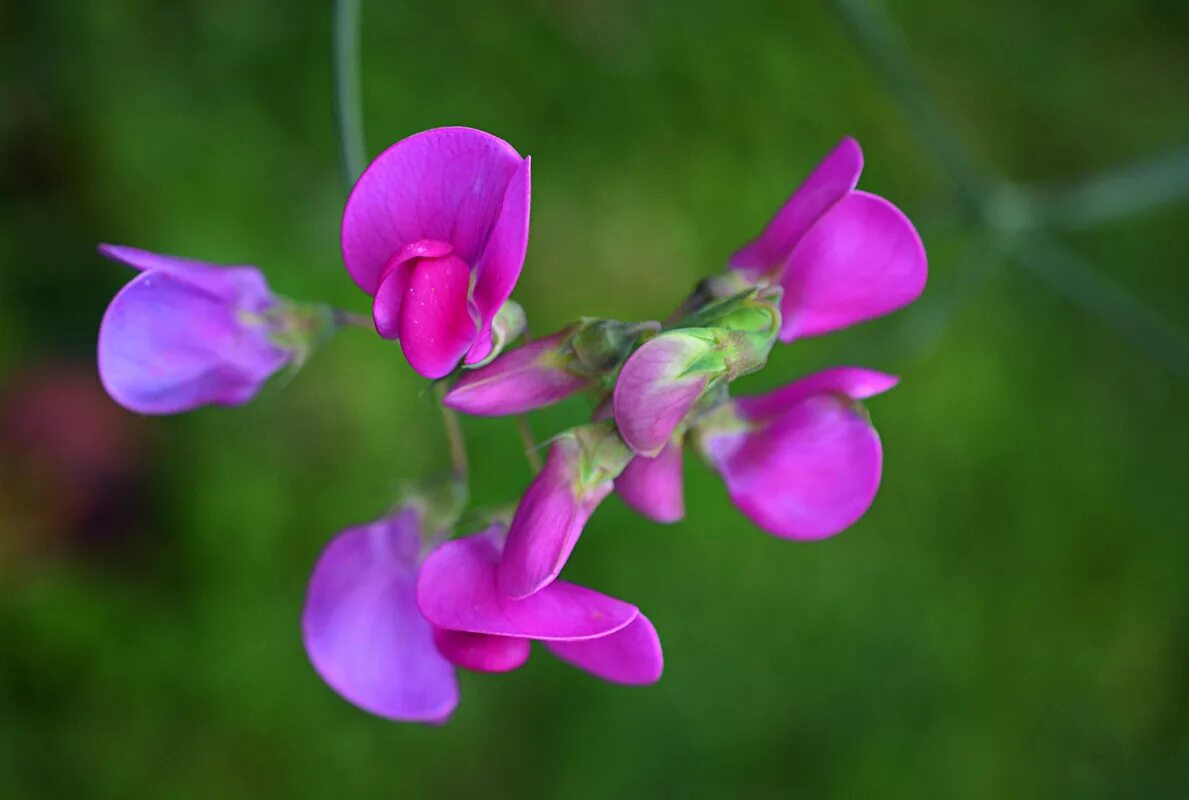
168,345
436,326
631,655
655,391
547,523
499,267
446,184
856,383
239,284
862,260
653,486
457,591
363,632
481,652
520,380
808,474
831,180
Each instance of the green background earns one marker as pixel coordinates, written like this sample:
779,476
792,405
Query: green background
1011,618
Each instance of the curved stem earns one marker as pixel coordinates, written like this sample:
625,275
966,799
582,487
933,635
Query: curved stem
526,439
458,446
348,104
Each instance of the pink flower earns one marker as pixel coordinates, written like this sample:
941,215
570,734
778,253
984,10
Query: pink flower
520,380
653,486
843,256
803,462
386,631
184,334
436,231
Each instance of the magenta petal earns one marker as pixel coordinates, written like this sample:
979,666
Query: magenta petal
520,380
499,268
446,184
363,632
853,382
436,326
654,391
631,655
394,283
457,590
862,260
831,180
808,474
481,652
167,344
653,486
547,523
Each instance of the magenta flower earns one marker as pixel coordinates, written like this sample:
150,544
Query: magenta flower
436,231
578,474
184,334
520,380
843,256
480,628
803,462
386,631
363,632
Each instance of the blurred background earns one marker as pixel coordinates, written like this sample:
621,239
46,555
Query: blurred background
1011,619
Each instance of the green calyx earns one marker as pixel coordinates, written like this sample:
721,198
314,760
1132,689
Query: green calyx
599,346
600,453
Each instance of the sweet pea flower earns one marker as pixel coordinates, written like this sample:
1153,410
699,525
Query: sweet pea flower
479,628
436,231
527,378
653,486
803,462
184,334
368,639
842,255
578,474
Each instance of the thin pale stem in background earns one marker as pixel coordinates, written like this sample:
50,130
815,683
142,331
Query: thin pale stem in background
458,446
348,103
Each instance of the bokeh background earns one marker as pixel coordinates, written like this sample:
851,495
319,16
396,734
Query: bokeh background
1011,619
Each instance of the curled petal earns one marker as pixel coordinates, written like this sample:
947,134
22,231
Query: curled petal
856,383
244,286
167,344
631,655
524,379
446,184
480,652
436,326
499,267
457,591
363,632
831,180
653,486
657,387
394,283
808,474
548,522
863,259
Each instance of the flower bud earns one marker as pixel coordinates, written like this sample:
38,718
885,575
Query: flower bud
578,474
529,377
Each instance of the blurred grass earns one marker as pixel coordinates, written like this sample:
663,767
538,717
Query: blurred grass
1010,620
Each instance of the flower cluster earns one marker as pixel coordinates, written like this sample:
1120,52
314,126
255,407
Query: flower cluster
436,232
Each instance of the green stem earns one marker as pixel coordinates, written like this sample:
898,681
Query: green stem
348,104
458,446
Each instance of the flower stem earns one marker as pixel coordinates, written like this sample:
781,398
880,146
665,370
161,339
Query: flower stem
348,103
345,318
530,447
458,446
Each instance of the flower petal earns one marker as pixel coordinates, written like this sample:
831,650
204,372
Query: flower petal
631,655
520,380
499,267
457,590
547,523
481,652
394,283
856,383
446,184
808,474
862,260
831,180
436,326
240,284
168,345
653,486
363,632
656,389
